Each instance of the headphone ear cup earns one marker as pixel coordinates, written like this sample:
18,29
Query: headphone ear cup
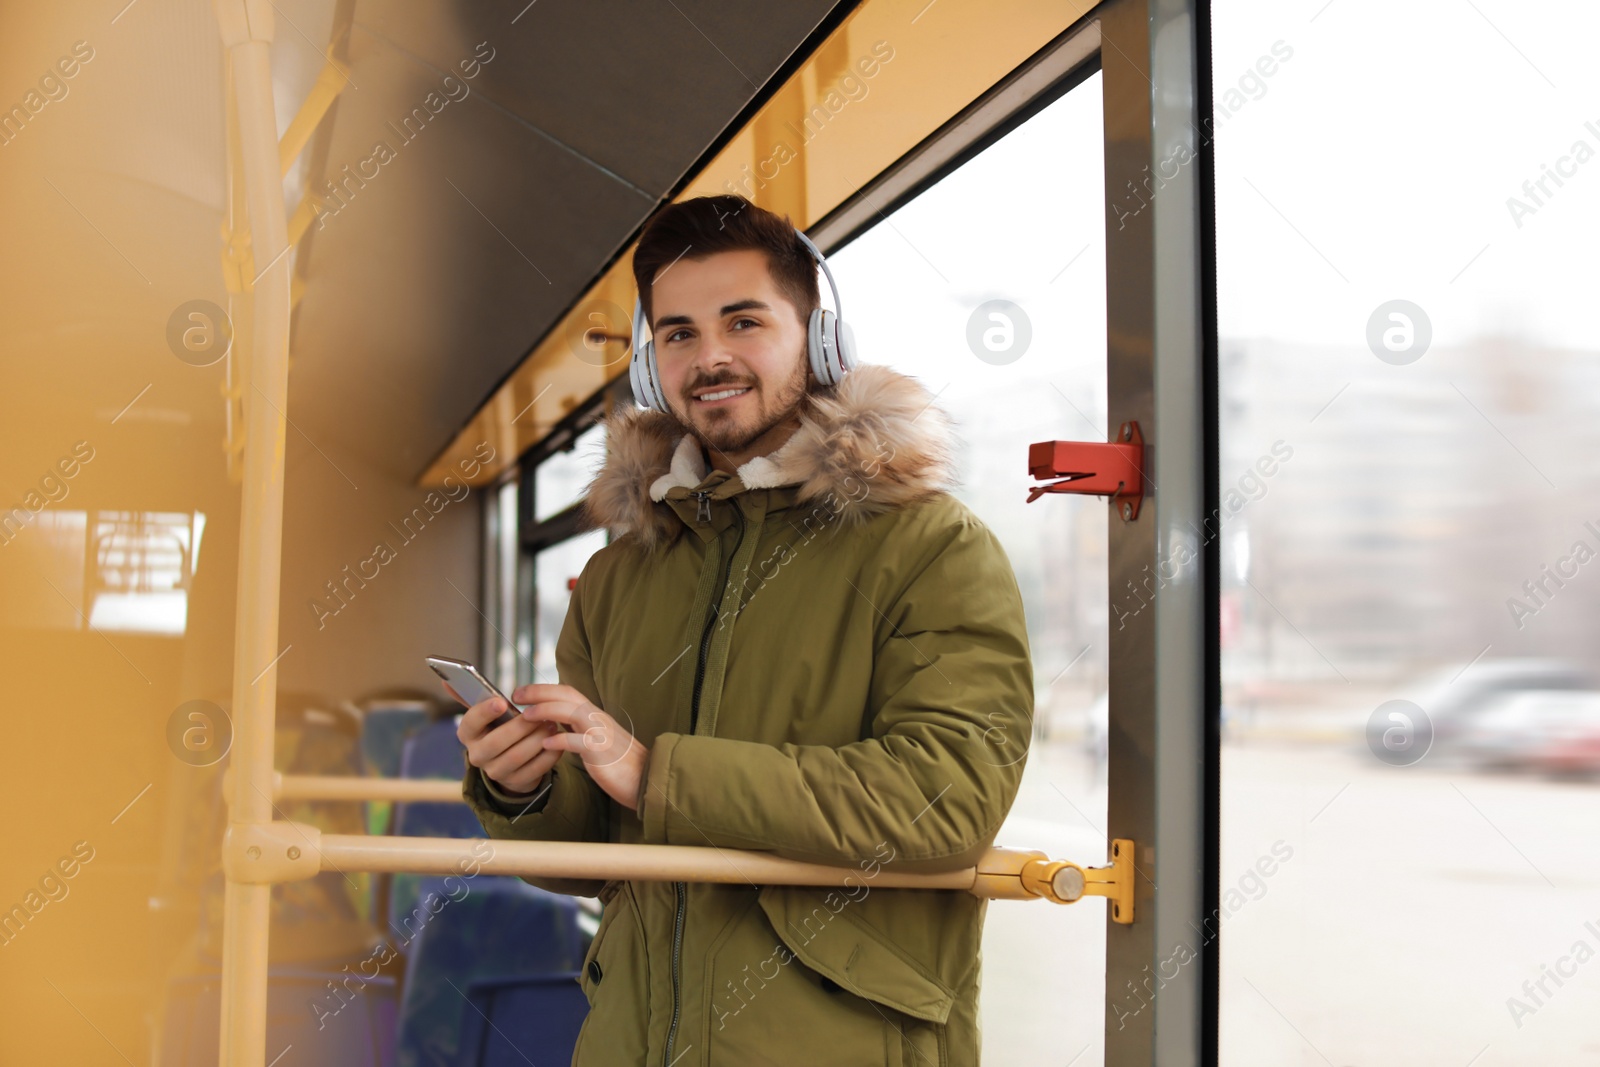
643,374
658,398
637,376
646,380
816,345
830,346
846,346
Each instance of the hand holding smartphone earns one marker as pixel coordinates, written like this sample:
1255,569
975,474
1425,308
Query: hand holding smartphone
470,686
508,750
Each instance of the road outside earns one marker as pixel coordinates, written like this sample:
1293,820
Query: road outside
1416,903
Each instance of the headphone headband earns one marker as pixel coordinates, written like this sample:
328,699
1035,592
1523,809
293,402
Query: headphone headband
822,261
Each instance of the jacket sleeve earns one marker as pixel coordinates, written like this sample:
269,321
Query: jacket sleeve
951,703
574,808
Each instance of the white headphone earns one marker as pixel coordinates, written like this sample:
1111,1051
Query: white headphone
830,344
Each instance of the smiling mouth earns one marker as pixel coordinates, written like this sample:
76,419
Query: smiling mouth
721,395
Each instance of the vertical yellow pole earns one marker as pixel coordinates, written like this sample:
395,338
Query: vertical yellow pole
247,33
237,270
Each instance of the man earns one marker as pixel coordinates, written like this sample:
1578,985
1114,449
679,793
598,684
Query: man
800,643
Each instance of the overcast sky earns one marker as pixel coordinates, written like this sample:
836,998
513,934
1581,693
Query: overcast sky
1375,163
1391,141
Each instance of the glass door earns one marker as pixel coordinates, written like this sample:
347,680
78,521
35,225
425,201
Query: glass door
1407,199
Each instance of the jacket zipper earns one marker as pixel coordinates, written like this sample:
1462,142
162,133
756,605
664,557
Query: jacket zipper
681,889
711,616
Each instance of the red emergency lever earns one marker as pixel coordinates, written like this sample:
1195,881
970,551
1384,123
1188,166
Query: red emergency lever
1114,470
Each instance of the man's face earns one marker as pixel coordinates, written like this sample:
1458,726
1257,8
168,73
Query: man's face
730,349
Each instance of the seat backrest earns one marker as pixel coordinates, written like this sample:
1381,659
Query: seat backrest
385,727
434,752
431,752
467,929
510,1022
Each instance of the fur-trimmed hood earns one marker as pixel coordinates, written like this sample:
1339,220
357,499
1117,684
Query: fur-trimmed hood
873,443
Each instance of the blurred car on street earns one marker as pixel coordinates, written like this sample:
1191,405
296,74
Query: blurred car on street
1467,706
1550,731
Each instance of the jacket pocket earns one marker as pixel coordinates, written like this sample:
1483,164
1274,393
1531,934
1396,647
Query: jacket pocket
766,1008
819,927
614,976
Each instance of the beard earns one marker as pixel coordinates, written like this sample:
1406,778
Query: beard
726,431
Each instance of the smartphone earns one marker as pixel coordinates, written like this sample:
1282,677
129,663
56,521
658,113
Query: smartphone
470,684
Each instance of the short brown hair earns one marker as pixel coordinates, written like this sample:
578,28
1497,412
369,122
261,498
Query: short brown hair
706,225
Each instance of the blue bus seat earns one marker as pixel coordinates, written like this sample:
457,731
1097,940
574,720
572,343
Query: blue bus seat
434,752
386,725
431,752
510,1022
467,929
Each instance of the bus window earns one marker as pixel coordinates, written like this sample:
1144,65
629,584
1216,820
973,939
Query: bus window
990,288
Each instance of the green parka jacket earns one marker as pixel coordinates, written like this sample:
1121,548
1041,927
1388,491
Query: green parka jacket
826,656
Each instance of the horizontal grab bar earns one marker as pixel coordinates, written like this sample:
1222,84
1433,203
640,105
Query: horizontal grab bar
286,852
356,787
352,787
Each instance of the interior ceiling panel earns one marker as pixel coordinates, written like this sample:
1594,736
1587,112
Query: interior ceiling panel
443,267
432,280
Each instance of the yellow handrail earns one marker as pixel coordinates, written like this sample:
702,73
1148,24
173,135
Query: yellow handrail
355,787
267,853
247,28
351,787
329,84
